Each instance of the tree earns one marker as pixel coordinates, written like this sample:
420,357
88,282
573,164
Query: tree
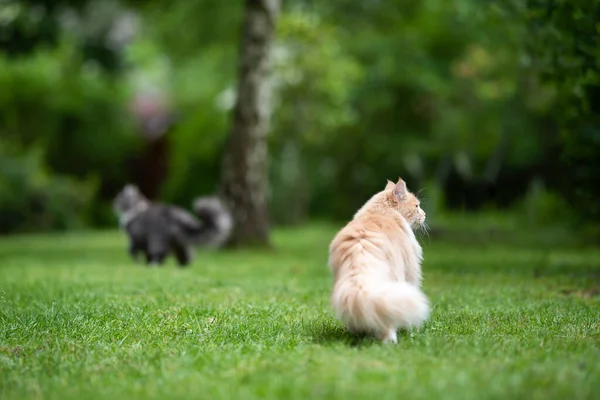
245,164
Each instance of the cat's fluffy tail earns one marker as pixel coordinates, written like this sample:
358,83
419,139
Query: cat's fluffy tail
367,306
217,222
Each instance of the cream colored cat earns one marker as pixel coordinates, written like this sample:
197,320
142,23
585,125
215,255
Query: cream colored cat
376,264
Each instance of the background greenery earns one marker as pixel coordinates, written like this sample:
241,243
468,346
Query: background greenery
482,104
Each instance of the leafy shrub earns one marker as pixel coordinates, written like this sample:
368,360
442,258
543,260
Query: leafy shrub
31,199
72,111
564,37
541,206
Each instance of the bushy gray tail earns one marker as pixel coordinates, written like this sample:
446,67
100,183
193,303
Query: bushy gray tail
217,222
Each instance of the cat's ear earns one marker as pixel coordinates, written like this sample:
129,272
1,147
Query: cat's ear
130,189
390,185
400,189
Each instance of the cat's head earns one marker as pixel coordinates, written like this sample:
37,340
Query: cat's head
405,202
128,199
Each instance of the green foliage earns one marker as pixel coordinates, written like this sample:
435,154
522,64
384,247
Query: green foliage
79,320
197,85
542,207
424,95
72,111
205,24
313,78
565,39
198,137
31,199
417,86
471,101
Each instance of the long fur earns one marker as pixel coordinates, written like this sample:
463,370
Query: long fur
157,229
218,222
376,263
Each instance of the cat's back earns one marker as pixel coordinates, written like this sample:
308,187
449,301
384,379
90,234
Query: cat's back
367,227
370,232
368,235
154,220
374,240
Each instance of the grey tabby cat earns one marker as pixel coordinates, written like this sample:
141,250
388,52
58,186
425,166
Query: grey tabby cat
157,229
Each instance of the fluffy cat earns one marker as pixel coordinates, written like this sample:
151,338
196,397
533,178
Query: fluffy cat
157,229
376,265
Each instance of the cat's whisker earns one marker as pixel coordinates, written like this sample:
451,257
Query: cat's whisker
425,229
427,232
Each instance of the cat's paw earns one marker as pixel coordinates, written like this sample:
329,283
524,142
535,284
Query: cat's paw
391,337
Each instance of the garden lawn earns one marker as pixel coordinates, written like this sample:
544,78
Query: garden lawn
514,316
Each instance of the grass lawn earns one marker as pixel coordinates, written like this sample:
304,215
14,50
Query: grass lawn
516,316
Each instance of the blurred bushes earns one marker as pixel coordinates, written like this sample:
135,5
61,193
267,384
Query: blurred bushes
565,40
198,136
314,79
479,104
54,102
542,207
31,199
435,93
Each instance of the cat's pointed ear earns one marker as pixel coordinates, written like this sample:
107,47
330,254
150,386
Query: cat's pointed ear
400,189
130,188
390,185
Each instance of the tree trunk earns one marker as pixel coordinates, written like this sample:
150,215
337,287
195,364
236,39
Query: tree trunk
245,168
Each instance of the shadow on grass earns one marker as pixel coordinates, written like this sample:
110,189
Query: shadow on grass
329,333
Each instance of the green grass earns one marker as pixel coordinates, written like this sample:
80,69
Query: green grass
512,319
